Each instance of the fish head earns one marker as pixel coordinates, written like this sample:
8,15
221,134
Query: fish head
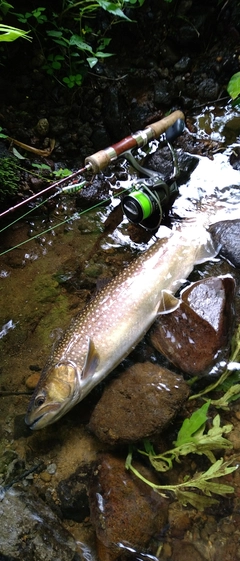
56,392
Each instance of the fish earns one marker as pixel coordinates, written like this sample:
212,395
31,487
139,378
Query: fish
114,322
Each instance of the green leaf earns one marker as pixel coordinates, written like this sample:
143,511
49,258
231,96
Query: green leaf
100,54
42,167
5,7
12,33
80,43
232,394
200,502
2,135
112,9
54,33
233,87
192,425
17,154
92,61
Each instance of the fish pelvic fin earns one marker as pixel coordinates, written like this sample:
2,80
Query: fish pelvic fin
91,362
168,303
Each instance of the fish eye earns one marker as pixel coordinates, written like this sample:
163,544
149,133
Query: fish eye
40,400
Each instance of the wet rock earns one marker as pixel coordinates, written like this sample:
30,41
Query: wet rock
30,531
208,89
58,125
161,161
73,497
183,64
114,114
192,336
42,127
235,158
138,404
227,234
95,192
124,510
162,93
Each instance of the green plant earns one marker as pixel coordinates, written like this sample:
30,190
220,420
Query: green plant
37,14
2,135
192,439
5,7
8,33
61,173
9,178
69,45
233,88
227,382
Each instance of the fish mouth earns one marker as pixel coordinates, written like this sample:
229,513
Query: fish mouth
49,415
32,424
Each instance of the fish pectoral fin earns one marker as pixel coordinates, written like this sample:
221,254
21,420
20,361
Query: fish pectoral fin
168,303
92,360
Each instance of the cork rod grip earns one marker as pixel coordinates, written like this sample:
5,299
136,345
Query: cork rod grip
103,158
161,126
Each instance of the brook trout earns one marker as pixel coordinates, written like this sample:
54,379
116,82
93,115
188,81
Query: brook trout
112,324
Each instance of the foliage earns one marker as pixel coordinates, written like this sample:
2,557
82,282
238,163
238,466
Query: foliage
192,438
2,135
70,44
233,88
61,173
9,178
8,33
228,380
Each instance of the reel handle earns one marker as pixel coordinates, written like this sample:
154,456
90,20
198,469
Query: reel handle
100,160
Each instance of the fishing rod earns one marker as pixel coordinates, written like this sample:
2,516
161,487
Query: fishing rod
101,159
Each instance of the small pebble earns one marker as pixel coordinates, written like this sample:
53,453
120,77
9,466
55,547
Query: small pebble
32,381
51,469
45,476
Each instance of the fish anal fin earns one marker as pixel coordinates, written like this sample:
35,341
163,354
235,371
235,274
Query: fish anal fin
168,303
92,360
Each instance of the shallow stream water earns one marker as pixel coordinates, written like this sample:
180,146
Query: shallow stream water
47,280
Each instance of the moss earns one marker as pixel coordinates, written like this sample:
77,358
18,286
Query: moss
46,288
57,317
9,178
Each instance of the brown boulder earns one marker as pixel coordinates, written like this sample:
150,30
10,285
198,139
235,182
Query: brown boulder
138,404
192,336
125,512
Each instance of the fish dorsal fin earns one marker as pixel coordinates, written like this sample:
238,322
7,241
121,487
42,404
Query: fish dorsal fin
92,360
168,303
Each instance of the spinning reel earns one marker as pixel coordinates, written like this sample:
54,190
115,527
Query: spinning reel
150,196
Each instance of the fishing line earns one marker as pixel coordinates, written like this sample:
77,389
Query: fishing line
61,223
69,188
97,162
23,215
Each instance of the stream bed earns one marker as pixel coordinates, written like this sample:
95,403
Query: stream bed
44,283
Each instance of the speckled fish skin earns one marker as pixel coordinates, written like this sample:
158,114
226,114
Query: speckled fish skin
111,325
